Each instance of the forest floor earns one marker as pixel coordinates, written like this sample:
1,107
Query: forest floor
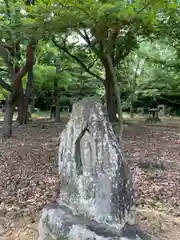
29,179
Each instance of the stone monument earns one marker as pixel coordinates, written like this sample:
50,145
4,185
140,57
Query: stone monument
140,110
96,196
161,109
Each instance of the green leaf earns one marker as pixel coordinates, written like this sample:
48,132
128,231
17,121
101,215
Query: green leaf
26,42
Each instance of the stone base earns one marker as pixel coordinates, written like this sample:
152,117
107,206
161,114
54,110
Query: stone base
58,223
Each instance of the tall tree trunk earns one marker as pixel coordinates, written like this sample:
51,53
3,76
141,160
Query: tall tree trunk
20,109
132,101
28,94
57,114
53,112
33,102
113,94
131,105
24,99
13,96
20,105
131,111
8,118
57,93
55,109
110,98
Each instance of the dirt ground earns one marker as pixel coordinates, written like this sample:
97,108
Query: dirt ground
29,179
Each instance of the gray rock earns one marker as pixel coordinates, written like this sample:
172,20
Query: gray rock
97,181
59,222
96,200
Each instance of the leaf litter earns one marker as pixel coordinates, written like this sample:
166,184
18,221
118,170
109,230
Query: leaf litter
29,178
154,158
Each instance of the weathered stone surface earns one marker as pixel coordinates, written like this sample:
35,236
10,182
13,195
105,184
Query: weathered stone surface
58,222
96,177
140,110
161,109
96,199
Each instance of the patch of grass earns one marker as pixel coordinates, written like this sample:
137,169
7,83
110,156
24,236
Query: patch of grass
40,114
2,115
46,114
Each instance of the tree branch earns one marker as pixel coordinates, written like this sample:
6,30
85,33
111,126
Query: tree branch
88,41
77,60
16,83
29,62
